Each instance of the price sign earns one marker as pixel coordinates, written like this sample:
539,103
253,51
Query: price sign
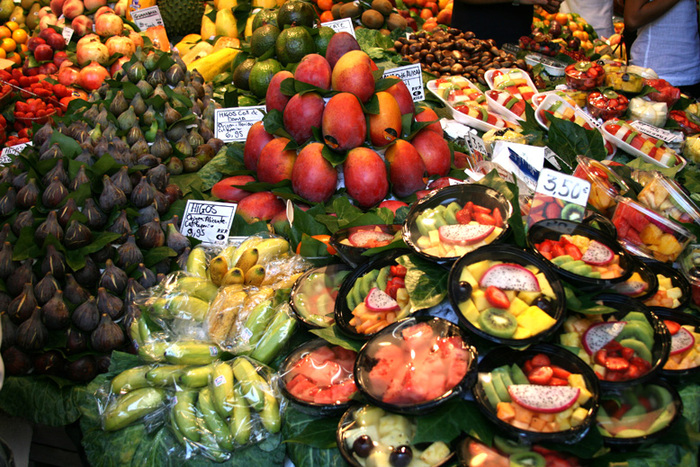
476,146
412,76
233,124
564,187
208,221
658,133
8,153
147,18
341,25
67,34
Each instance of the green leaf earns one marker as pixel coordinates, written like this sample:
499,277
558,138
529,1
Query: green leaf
511,192
240,227
26,246
227,162
568,140
333,336
105,165
40,400
296,427
426,282
335,158
69,147
158,254
307,429
450,420
275,125
641,164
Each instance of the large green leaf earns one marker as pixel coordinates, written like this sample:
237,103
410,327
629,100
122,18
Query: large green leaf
426,282
450,420
40,399
568,140
304,434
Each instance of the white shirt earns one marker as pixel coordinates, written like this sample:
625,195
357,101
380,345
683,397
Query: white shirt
597,13
670,45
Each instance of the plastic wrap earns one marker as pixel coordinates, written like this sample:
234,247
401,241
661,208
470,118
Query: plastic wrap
654,113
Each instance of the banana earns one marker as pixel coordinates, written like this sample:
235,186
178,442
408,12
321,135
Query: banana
224,311
131,406
197,263
255,275
222,389
250,242
212,450
191,353
131,379
234,276
184,414
217,270
159,308
164,375
134,333
176,431
286,283
276,335
144,330
153,351
196,376
200,288
257,321
270,415
228,253
248,259
188,307
214,422
240,421
249,382
271,248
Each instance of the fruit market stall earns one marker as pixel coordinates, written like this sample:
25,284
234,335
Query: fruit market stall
423,226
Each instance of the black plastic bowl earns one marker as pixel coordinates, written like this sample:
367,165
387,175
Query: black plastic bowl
647,275
353,255
662,339
343,314
677,279
626,443
348,422
553,229
306,406
505,356
366,361
296,297
478,194
602,223
682,319
506,254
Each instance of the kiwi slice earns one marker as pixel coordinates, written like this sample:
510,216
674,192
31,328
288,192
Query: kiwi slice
572,212
500,387
639,348
498,322
508,446
527,459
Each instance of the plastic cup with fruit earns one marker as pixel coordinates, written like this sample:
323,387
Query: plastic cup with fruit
371,436
644,232
477,116
673,290
684,356
456,220
664,91
314,293
584,75
318,377
624,348
549,207
506,453
537,394
506,295
514,81
351,243
556,106
690,265
642,284
579,253
605,184
624,80
664,196
607,104
414,366
638,414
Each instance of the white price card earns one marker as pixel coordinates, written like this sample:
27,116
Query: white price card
477,147
412,76
658,133
147,18
16,150
341,25
67,34
564,187
233,124
208,221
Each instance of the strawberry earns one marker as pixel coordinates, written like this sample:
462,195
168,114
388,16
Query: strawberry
496,297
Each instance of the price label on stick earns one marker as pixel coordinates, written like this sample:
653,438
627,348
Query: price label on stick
564,187
233,124
147,18
341,25
7,154
208,221
412,76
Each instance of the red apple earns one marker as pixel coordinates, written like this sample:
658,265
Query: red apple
33,42
56,41
43,52
57,6
60,57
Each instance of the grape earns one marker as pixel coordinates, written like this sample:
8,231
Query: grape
363,446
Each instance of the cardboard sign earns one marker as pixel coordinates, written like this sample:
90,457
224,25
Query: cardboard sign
233,124
412,76
208,221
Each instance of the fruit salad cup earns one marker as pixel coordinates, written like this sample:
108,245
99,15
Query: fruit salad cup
506,295
313,295
414,366
642,284
584,75
350,243
605,184
456,220
505,453
661,194
607,104
371,436
643,231
538,394
318,377
684,356
580,254
624,348
673,292
638,414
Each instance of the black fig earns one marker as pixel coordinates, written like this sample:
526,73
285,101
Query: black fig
113,278
80,179
110,304
74,292
120,226
76,341
158,176
65,213
55,312
22,306
21,276
150,235
54,194
77,236
49,363
82,370
145,276
128,253
107,336
86,317
9,331
176,240
111,197
59,172
28,195
143,193
8,202
54,262
88,275
32,334
7,265
45,289
17,362
96,219
49,227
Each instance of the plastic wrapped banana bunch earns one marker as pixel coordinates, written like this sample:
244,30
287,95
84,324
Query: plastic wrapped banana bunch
182,296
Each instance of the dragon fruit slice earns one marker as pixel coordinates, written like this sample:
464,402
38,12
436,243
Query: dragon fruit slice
464,234
378,300
597,254
362,237
509,276
544,399
631,288
681,341
599,335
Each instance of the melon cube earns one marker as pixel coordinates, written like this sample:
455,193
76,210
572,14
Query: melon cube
578,416
459,250
664,282
434,236
479,299
674,292
576,380
423,242
368,415
521,333
517,306
564,415
478,269
535,320
435,453
469,310
564,425
537,424
511,294
668,245
650,234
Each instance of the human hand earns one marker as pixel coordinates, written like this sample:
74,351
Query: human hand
552,6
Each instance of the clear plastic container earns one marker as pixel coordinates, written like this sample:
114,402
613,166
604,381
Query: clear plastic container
690,266
584,75
664,196
605,184
644,232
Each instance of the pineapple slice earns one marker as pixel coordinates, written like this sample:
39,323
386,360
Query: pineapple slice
478,269
467,276
435,453
578,416
469,310
395,430
479,299
535,320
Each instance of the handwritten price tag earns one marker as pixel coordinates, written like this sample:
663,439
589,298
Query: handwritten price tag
564,187
659,133
147,18
233,124
67,34
208,221
412,76
341,25
7,154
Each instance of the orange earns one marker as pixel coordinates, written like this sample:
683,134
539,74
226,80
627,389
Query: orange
325,5
5,32
8,44
20,36
426,13
561,18
12,25
3,54
326,16
15,58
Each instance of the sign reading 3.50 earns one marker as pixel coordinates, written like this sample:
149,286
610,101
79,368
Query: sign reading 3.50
564,187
